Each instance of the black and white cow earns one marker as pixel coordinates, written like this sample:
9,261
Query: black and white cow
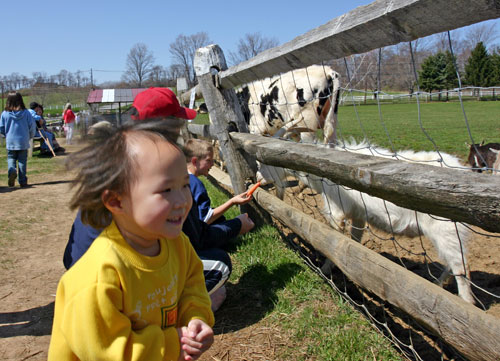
293,105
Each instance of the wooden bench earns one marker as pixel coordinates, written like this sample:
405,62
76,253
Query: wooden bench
35,144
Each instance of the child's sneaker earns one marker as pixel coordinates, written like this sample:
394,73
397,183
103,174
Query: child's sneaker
12,179
218,298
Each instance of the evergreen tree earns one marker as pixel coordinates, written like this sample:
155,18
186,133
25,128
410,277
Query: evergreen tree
451,80
479,69
495,63
433,74
450,72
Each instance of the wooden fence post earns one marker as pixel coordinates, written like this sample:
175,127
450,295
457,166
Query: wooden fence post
223,108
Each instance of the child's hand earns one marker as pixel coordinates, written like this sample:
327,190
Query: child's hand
241,199
182,332
246,223
195,339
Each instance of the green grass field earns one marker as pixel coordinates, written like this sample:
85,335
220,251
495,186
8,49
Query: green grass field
443,122
440,122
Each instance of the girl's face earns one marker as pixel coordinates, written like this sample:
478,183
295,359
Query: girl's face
159,200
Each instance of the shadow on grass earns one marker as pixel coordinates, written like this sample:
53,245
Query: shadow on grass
255,295
33,322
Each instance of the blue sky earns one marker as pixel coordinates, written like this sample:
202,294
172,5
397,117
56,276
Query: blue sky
53,35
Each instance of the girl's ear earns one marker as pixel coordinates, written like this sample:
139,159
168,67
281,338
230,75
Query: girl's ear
112,201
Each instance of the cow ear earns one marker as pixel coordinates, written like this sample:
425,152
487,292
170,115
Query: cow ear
482,143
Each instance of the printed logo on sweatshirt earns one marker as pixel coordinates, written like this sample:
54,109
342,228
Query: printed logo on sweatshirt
168,316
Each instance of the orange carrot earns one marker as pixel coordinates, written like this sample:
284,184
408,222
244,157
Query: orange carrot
252,189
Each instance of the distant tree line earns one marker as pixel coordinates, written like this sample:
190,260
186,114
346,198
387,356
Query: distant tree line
64,78
427,62
141,69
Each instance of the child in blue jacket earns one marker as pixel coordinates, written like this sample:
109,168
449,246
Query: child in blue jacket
18,127
199,156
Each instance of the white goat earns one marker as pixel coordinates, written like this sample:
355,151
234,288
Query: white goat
341,204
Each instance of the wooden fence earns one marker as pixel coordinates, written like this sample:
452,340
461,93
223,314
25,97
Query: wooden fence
464,197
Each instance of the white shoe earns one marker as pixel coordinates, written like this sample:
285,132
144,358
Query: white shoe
218,298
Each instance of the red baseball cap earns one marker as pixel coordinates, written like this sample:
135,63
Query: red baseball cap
160,102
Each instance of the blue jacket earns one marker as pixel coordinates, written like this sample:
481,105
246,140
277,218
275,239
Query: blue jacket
201,200
35,117
18,127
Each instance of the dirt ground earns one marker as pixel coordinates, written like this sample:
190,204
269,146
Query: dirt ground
36,222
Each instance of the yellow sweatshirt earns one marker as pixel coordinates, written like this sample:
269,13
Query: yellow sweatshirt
116,304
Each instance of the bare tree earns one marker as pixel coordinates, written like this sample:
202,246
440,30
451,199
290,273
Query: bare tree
39,76
175,71
62,77
251,45
158,76
183,50
441,42
483,32
140,62
403,68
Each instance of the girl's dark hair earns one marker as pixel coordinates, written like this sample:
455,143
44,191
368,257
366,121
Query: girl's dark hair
14,101
107,164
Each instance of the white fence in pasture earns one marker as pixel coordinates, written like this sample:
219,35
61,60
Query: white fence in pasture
467,92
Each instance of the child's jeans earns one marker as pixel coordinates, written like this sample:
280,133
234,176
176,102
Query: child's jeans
21,157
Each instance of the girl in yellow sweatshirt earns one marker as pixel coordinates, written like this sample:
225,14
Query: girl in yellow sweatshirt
138,293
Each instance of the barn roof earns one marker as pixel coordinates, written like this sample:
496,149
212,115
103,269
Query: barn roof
113,95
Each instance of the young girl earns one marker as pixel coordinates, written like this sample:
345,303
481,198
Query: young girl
69,122
138,292
18,127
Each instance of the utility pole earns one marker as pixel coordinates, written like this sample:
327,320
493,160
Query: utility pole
91,79
2,95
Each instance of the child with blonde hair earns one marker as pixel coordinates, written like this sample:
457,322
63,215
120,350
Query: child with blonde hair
138,292
200,159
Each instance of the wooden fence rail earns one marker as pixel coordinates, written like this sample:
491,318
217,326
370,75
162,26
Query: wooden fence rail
446,192
381,23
